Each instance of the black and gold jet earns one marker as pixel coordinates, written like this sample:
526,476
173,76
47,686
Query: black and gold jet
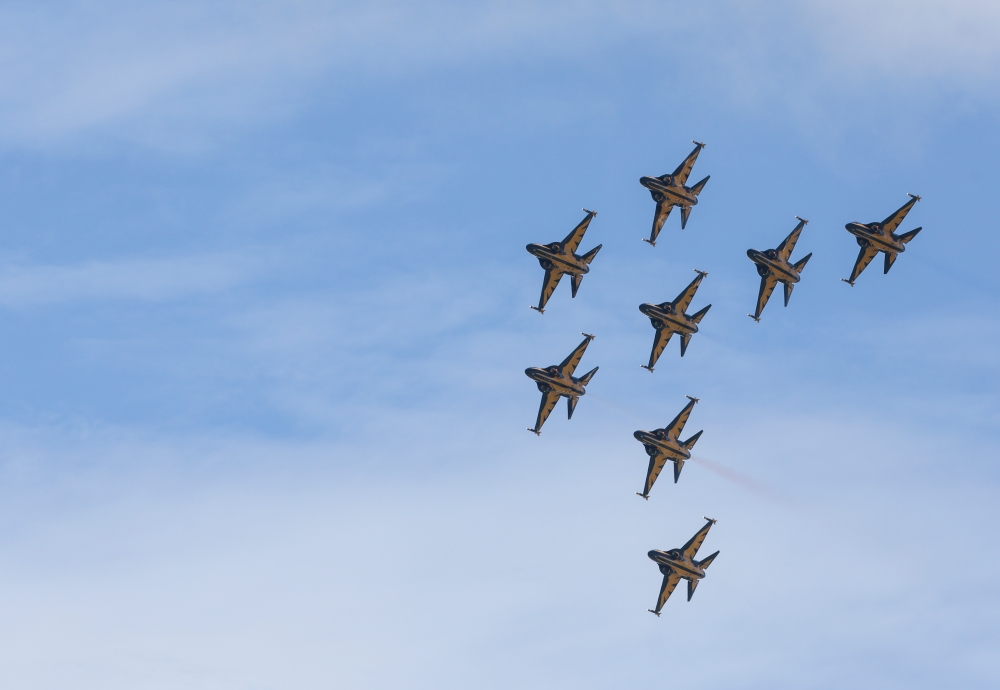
669,318
670,190
558,381
774,266
558,258
663,445
879,237
679,564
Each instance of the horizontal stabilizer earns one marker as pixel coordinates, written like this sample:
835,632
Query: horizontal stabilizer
890,258
689,444
907,236
685,212
703,564
697,316
585,379
678,466
589,256
696,190
802,262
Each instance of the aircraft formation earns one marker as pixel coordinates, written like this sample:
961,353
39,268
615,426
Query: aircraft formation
774,266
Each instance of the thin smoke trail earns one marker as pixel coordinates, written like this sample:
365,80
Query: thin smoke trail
741,480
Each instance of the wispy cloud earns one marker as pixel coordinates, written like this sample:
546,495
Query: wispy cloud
147,280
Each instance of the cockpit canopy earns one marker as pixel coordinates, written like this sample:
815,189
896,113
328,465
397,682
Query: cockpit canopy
554,246
552,371
771,253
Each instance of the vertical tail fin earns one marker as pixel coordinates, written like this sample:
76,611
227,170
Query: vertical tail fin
704,563
574,282
585,379
589,256
697,316
689,444
696,190
570,406
678,466
685,339
907,236
685,212
788,291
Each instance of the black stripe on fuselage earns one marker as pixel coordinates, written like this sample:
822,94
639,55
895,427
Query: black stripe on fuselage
879,242
671,191
680,568
684,326
779,268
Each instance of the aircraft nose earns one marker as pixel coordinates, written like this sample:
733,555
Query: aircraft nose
644,308
638,437
751,253
652,555
530,372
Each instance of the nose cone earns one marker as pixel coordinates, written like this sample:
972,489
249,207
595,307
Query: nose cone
644,308
534,249
856,227
652,555
645,181
531,372
639,435
753,254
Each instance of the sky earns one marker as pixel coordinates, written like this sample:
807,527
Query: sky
265,316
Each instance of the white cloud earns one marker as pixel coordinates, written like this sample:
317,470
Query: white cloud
151,280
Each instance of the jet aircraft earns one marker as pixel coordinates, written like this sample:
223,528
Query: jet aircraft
670,190
556,381
774,266
664,444
678,564
558,258
879,237
669,318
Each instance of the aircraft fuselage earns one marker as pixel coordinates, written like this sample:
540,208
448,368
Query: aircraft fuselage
659,442
668,317
674,560
769,262
554,256
551,379
669,191
872,235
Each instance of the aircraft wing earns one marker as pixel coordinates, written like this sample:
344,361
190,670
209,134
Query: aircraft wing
552,277
683,170
675,427
670,581
694,543
892,222
683,300
656,464
573,240
788,244
767,285
569,364
663,209
865,257
549,401
660,341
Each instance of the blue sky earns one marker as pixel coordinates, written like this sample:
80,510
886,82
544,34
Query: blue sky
264,294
